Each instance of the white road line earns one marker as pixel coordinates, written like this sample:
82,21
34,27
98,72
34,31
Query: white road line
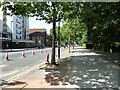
13,72
1,66
24,72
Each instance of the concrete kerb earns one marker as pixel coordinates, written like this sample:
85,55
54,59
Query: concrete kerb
17,50
14,78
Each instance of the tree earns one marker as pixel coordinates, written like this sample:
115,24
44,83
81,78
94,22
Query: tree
102,21
73,30
51,12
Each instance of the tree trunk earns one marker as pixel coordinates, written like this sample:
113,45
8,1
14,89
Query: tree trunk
59,40
73,42
53,44
69,42
53,36
89,32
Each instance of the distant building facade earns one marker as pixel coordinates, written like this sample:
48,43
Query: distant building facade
16,25
12,28
38,35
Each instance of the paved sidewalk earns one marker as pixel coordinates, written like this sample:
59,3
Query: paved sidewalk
81,68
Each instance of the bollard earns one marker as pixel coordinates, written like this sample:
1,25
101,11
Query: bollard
23,55
47,59
41,51
6,57
33,52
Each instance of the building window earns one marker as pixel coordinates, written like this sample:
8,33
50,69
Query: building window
18,37
18,32
0,35
19,16
4,19
17,26
5,12
4,25
4,30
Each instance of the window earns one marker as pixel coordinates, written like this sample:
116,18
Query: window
4,25
5,12
16,26
4,30
4,19
18,37
0,35
18,32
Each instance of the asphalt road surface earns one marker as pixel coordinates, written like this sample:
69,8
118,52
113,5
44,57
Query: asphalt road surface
17,64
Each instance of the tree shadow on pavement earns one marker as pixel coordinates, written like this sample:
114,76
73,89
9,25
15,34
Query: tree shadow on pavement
111,57
15,83
84,71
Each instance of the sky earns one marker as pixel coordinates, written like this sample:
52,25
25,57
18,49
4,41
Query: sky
33,23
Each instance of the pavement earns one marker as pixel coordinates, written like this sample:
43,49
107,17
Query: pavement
81,68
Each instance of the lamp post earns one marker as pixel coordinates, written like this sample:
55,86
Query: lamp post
11,35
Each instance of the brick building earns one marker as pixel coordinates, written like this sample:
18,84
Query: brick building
38,35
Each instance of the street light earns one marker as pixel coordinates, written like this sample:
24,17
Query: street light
11,35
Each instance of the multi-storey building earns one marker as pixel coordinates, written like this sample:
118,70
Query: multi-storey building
25,28
13,28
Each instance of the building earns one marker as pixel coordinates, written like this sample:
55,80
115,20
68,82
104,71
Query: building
25,28
15,25
13,29
38,35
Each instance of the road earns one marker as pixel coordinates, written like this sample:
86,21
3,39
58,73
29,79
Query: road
17,64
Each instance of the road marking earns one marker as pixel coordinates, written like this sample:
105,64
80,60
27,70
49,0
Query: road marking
13,72
1,66
24,72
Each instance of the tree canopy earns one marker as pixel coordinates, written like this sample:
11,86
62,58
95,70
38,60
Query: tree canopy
90,22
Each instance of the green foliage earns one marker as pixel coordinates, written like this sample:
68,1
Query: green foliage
91,22
103,23
51,12
72,31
